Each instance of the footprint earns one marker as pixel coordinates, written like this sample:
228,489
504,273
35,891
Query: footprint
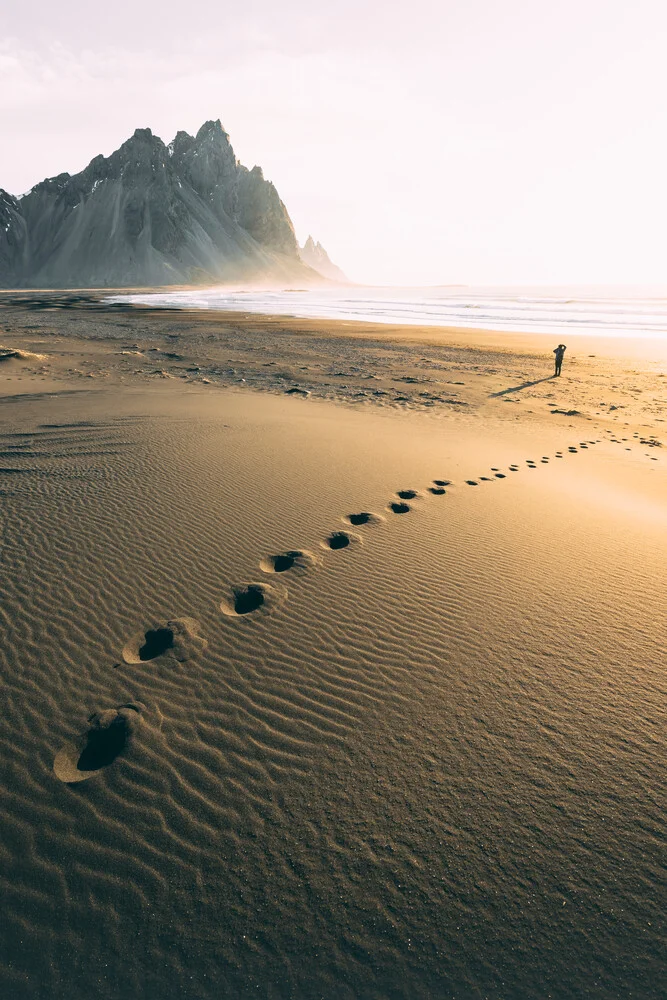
500,475
297,559
442,482
573,451
107,738
485,479
407,494
472,482
437,491
252,598
364,518
514,468
399,508
177,638
340,540
495,470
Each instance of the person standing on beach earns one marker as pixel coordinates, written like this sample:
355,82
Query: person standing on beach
559,352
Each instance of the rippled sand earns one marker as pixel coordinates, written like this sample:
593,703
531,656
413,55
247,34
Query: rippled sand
266,735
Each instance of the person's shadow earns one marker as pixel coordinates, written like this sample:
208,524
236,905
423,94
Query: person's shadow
518,388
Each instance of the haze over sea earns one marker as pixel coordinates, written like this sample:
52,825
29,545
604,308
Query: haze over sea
600,312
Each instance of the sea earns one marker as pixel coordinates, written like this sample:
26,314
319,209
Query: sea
607,312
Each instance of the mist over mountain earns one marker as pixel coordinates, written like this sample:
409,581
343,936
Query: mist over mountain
314,255
152,214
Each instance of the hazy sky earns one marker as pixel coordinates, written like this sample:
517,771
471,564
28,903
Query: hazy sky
422,142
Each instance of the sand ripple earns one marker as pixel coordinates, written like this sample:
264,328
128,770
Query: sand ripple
446,742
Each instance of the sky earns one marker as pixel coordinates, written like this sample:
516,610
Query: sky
474,142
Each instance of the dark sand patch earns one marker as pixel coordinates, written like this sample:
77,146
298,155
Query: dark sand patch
107,739
399,508
177,638
340,540
252,600
365,517
296,560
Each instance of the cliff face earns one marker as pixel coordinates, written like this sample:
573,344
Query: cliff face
151,214
13,241
314,255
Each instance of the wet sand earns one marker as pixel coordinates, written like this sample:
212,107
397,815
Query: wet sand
338,695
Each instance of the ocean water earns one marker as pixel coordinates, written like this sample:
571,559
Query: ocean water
592,312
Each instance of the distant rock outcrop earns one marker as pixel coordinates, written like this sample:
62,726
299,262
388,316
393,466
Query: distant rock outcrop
314,255
13,241
152,214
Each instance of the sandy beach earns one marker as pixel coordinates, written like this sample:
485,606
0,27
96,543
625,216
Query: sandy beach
333,658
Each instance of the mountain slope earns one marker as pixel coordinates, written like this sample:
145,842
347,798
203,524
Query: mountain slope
13,241
151,214
314,255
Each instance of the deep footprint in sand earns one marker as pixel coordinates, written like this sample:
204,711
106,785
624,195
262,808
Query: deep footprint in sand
340,540
442,482
177,638
296,560
514,468
365,517
573,451
252,599
500,475
437,491
399,508
407,494
472,482
108,736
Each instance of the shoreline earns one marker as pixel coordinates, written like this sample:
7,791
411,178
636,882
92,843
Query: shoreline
649,348
457,373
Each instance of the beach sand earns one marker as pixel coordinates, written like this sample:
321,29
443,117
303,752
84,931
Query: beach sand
256,743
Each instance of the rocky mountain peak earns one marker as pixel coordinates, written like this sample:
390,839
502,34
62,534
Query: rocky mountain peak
212,129
151,214
314,255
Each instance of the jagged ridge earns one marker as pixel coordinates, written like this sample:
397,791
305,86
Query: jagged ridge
151,214
314,255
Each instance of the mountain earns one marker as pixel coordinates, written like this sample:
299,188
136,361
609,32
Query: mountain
13,241
314,255
152,214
